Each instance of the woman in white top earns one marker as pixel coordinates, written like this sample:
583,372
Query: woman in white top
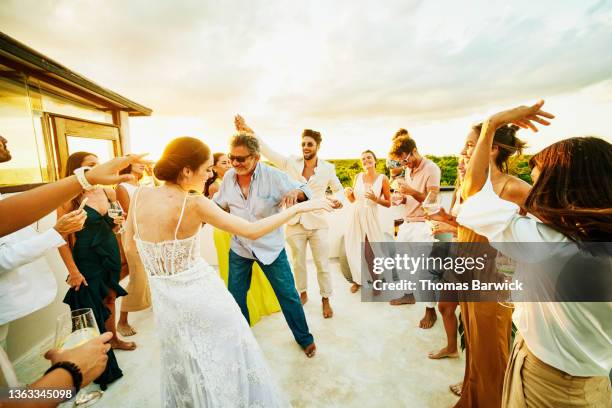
139,294
370,190
563,352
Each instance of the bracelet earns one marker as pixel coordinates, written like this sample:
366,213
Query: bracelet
80,176
73,369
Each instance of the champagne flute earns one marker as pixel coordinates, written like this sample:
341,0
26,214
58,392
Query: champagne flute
73,329
115,211
431,204
396,198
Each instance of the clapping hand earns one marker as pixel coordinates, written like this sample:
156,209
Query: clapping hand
522,116
241,125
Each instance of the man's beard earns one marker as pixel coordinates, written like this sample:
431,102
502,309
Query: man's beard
309,156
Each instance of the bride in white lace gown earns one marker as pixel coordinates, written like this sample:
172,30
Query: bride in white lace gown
209,357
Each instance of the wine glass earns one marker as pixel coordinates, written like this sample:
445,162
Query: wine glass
114,211
73,329
396,198
431,204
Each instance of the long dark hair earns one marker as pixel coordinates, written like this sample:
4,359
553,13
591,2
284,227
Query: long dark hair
573,193
210,181
182,152
75,160
507,143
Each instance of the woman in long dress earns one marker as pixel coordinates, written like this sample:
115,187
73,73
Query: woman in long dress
561,355
93,261
370,190
261,299
488,325
139,294
209,355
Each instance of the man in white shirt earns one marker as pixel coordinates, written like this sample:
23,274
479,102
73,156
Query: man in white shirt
309,228
27,283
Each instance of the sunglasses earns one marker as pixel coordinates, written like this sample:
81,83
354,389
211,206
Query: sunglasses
308,144
405,160
239,159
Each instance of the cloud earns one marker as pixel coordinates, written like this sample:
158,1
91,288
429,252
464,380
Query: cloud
335,64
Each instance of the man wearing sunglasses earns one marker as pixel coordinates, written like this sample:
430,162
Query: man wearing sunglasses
421,176
311,228
254,190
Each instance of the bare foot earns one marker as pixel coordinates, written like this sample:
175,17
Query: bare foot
355,288
304,297
125,329
310,350
443,353
327,309
456,388
122,345
407,299
429,319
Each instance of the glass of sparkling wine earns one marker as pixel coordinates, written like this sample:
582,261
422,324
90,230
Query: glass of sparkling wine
114,211
431,204
73,329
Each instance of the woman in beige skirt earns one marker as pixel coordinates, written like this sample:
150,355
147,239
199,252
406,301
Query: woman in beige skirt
139,295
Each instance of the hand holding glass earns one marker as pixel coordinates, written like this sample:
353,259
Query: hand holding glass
115,211
431,204
73,329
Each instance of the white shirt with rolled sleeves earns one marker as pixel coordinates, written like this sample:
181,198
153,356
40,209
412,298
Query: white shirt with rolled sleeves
574,337
268,187
324,176
27,282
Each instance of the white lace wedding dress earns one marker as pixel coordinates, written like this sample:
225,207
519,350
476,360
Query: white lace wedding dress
209,357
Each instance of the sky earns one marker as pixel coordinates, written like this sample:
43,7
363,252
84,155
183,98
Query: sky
354,70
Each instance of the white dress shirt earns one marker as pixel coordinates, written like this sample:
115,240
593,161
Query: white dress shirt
324,176
27,282
575,337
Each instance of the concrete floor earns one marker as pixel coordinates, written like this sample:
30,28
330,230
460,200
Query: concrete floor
369,355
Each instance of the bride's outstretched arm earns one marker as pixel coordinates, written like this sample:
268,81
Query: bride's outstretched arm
212,214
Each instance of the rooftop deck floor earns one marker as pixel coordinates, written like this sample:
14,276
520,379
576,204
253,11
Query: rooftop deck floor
369,355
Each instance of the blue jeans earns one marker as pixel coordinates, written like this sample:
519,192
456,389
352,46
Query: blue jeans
280,277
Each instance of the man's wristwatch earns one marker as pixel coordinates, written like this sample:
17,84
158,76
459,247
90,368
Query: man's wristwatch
80,175
73,369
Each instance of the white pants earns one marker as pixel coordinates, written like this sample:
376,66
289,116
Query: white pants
298,237
417,232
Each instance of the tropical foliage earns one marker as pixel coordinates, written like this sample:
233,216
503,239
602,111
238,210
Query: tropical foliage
347,169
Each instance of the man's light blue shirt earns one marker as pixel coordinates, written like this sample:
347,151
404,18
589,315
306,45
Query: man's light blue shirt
268,186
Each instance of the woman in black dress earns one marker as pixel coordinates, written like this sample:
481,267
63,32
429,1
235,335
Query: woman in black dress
94,262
